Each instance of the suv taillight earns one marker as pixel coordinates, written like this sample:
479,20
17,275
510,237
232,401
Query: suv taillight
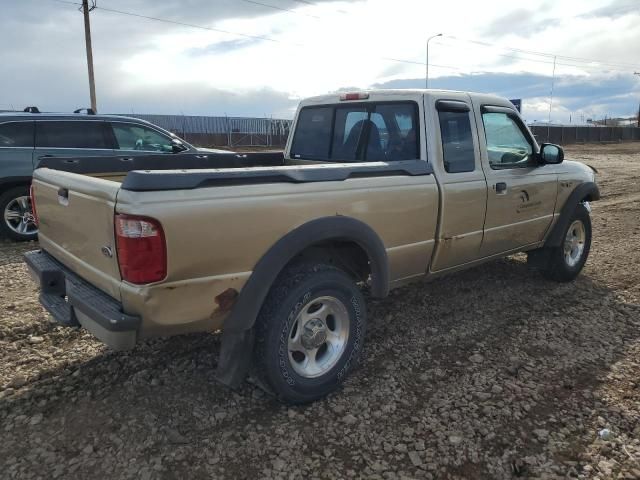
33,205
142,251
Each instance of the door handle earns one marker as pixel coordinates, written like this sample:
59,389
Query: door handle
63,196
501,188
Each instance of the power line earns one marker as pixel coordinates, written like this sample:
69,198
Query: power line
282,9
391,59
315,5
544,54
228,32
192,25
548,62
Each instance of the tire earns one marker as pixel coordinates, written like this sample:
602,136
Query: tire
289,335
565,262
16,215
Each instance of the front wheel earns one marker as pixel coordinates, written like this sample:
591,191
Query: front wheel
17,221
309,333
564,263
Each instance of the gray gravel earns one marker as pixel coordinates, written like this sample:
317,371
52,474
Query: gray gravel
491,373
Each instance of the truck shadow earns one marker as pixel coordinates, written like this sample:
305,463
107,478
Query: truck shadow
488,355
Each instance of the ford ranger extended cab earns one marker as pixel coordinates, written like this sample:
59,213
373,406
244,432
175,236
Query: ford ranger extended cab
374,189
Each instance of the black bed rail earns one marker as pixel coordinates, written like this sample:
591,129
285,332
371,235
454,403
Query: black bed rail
167,161
185,180
189,171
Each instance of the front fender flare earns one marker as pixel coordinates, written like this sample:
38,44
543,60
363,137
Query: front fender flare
586,190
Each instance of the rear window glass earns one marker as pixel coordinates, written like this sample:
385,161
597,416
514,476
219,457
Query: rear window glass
357,132
16,134
72,134
313,134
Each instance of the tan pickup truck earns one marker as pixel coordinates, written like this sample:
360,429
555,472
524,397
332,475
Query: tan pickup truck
374,189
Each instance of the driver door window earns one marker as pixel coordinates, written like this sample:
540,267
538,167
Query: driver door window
507,145
130,136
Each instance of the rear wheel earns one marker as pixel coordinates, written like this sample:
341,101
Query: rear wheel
17,222
309,333
563,263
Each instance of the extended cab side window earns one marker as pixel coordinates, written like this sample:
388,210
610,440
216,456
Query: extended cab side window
385,131
130,136
507,145
72,134
16,134
457,142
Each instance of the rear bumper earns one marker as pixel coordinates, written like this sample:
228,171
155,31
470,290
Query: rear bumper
72,301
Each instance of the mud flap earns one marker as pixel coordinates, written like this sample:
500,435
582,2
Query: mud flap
236,354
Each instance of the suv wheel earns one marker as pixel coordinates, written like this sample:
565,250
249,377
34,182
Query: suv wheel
17,222
309,333
564,263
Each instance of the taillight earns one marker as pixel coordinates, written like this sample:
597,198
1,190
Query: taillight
142,251
33,205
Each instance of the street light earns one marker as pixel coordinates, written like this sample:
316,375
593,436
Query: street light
428,40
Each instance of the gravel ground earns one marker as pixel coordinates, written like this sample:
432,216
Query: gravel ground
491,373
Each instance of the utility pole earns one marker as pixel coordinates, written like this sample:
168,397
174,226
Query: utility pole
638,73
87,38
553,81
427,77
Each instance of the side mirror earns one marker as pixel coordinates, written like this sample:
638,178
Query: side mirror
551,154
177,146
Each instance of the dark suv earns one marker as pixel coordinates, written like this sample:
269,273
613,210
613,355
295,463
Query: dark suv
28,136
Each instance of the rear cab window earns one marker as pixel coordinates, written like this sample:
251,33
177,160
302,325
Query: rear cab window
16,134
357,132
73,134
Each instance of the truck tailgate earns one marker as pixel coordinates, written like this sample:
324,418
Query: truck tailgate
76,224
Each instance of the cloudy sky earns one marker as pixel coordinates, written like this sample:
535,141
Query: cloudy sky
259,58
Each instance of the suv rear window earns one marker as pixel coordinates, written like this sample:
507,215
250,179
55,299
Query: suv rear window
72,134
386,131
16,134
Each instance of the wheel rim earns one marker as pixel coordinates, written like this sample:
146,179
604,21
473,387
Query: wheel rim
318,336
574,243
18,216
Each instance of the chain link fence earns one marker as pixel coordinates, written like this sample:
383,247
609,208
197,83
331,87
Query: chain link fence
231,132
565,135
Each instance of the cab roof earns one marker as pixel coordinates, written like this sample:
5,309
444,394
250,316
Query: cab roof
378,94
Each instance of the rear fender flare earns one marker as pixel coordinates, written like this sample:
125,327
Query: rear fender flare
284,250
10,182
236,349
